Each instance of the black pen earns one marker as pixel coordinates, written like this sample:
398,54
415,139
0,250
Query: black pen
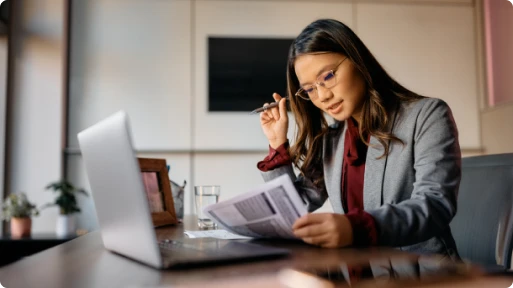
262,109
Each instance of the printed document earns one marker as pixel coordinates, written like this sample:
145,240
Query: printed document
268,211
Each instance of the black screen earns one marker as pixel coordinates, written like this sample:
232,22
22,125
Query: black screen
243,73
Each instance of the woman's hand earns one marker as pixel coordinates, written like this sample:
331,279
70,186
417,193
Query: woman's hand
275,122
328,230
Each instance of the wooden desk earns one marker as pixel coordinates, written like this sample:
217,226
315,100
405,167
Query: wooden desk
83,262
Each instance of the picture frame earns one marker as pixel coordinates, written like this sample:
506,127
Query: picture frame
158,190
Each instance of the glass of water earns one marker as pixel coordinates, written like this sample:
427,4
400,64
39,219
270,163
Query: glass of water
204,196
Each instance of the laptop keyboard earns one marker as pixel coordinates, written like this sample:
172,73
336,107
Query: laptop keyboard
182,253
207,248
179,253
172,245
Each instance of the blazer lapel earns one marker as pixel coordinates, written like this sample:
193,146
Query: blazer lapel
333,168
375,171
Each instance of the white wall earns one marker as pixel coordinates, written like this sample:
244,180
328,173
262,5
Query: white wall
253,19
151,59
36,115
133,55
497,130
430,50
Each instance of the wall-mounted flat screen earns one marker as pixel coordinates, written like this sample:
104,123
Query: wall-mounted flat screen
244,72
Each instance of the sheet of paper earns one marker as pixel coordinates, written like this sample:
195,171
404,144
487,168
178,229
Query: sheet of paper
219,234
267,211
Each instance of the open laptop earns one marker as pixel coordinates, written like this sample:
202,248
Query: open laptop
124,213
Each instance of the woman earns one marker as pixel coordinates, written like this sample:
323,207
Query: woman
390,164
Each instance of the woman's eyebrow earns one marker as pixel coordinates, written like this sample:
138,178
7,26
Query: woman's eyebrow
323,69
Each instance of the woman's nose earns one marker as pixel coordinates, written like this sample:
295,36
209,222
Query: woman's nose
323,93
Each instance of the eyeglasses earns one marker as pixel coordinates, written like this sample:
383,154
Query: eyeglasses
326,80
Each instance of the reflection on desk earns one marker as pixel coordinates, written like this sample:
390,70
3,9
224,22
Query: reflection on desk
288,280
375,272
385,270
83,262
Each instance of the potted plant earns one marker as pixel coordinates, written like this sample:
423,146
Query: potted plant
67,202
19,211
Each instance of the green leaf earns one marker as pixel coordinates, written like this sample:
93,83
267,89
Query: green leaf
66,199
17,205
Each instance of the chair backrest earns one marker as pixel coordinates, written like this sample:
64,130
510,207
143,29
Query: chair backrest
483,225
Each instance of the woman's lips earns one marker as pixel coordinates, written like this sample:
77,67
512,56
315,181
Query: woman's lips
335,108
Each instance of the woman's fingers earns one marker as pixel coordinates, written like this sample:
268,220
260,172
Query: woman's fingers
310,230
264,118
320,240
309,219
267,112
283,108
276,113
276,97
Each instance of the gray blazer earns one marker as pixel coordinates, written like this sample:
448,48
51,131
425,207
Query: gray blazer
412,192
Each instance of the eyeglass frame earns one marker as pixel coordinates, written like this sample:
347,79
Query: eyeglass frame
319,83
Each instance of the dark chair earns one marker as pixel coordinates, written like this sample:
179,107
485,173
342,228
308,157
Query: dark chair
483,225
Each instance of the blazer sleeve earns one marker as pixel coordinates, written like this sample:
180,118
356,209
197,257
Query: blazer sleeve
313,198
437,166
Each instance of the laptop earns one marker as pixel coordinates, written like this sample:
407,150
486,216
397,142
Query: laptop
123,210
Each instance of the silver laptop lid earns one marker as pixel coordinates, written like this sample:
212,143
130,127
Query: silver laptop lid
117,189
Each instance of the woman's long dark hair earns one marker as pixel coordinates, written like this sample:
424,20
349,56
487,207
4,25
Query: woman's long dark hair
383,94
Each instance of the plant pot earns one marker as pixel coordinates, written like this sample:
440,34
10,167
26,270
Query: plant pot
66,225
21,227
